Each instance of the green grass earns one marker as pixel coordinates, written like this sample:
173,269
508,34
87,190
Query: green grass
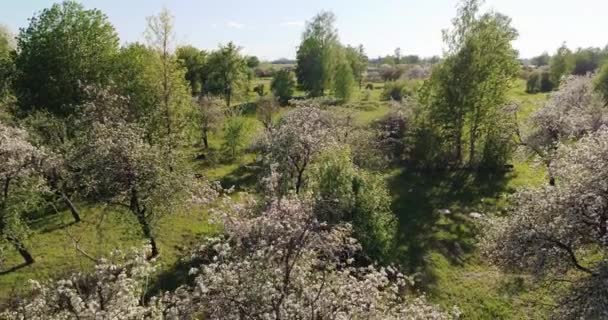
100,232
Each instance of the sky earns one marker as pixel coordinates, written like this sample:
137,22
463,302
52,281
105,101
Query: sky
271,29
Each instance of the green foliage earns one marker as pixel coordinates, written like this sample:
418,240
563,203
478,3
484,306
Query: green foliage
358,62
234,135
539,81
601,83
542,60
343,192
561,64
193,60
283,85
226,72
397,90
344,82
467,90
65,48
316,54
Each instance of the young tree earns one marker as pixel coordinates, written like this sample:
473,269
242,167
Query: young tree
561,64
211,115
283,85
22,186
358,63
555,231
293,143
173,91
316,54
226,73
65,48
467,91
234,135
344,82
265,109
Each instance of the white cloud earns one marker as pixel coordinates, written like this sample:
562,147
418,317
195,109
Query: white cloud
235,25
292,24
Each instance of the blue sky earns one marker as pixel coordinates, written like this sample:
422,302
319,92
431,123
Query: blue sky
271,29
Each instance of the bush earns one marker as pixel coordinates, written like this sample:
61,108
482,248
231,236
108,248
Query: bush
539,81
345,193
283,85
397,90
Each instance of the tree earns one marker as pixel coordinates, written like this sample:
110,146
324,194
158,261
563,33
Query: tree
115,165
561,64
358,62
559,232
587,61
397,56
344,82
234,134
293,143
265,109
573,111
226,73
252,62
64,49
193,60
6,61
174,96
22,186
211,115
542,60
467,91
139,80
316,54
283,85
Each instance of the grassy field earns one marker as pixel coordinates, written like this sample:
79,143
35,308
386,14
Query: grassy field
438,249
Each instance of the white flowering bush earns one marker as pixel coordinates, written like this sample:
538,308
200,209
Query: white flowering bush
561,231
283,263
573,111
114,290
21,186
294,142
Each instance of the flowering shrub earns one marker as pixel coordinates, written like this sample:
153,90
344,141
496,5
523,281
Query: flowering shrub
573,111
22,186
553,230
283,263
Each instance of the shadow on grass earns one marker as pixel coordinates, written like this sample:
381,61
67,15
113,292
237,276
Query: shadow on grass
419,198
244,178
15,268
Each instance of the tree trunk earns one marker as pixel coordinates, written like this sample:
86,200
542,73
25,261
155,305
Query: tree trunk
140,213
147,231
205,140
71,206
25,254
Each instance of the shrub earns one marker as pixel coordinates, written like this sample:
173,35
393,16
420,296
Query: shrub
283,85
397,90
